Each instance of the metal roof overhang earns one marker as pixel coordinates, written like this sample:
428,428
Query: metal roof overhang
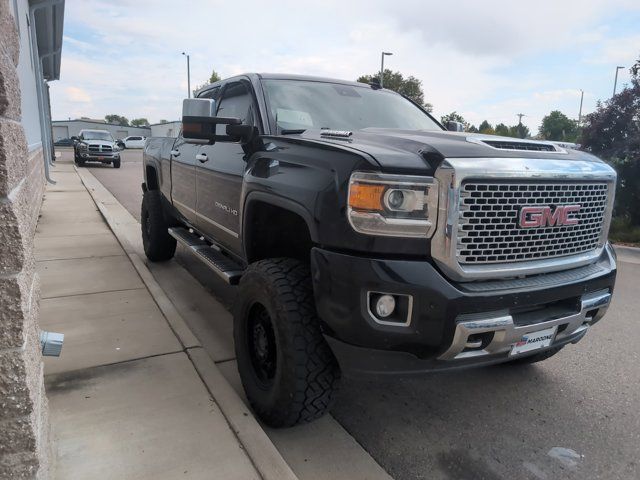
49,20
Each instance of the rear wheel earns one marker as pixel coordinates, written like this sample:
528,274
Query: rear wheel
287,369
158,245
536,357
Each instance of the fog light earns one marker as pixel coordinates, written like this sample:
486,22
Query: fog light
385,305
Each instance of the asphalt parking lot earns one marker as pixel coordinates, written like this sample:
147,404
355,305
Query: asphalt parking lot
574,416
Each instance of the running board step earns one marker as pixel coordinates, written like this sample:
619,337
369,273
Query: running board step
223,266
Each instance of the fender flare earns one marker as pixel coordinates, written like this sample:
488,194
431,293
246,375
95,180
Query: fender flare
284,203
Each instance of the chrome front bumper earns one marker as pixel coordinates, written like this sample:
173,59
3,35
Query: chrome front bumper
506,332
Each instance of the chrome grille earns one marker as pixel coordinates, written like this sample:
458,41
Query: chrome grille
488,230
100,148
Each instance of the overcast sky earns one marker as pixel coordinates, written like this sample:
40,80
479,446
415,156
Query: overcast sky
485,59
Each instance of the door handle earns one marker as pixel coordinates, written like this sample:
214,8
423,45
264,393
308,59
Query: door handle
202,157
175,153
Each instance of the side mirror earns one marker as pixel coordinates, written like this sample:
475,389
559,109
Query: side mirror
74,140
242,133
455,126
199,121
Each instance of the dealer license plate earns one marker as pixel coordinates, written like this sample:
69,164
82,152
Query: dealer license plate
100,158
534,341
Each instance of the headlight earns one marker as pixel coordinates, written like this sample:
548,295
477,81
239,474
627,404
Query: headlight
393,205
82,146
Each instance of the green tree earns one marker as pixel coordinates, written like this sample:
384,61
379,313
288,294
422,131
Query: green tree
117,120
613,133
472,129
213,78
557,126
410,86
163,121
502,130
455,117
486,128
519,131
140,122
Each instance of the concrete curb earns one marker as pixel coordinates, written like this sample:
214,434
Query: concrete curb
262,452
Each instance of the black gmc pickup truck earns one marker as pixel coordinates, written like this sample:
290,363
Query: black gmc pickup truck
367,239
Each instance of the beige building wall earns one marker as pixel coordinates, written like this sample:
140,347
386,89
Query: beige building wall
24,443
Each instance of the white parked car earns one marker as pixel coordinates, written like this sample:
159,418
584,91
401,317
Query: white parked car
134,142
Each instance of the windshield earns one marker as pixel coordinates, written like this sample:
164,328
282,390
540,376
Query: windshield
302,104
97,136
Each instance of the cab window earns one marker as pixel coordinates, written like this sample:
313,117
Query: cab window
236,102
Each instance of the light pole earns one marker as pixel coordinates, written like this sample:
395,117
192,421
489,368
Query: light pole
382,67
580,113
615,82
188,76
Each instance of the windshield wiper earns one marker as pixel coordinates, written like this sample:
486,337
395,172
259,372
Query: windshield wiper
292,131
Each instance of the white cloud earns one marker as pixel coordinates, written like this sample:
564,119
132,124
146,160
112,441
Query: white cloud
126,55
76,94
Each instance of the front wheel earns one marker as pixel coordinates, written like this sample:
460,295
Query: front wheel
287,369
158,245
116,164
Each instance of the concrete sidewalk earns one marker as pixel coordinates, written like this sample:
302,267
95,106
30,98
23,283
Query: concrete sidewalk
125,398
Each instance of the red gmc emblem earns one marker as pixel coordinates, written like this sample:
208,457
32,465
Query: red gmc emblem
534,217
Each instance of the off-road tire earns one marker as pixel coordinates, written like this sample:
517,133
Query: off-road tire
159,246
536,357
306,372
116,164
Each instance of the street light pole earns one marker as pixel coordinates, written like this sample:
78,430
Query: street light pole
580,113
615,82
188,76
382,67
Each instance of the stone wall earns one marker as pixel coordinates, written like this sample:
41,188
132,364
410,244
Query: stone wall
24,444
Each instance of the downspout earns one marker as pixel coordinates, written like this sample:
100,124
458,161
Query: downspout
45,135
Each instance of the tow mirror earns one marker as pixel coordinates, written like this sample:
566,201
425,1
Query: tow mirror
242,133
199,121
455,126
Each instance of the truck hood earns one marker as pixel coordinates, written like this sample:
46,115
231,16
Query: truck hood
422,151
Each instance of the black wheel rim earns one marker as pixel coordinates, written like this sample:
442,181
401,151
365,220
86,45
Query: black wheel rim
261,340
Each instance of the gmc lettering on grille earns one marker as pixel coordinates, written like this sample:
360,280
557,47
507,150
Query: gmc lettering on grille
535,217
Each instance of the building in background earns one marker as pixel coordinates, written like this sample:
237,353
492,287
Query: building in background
166,129
71,128
30,50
